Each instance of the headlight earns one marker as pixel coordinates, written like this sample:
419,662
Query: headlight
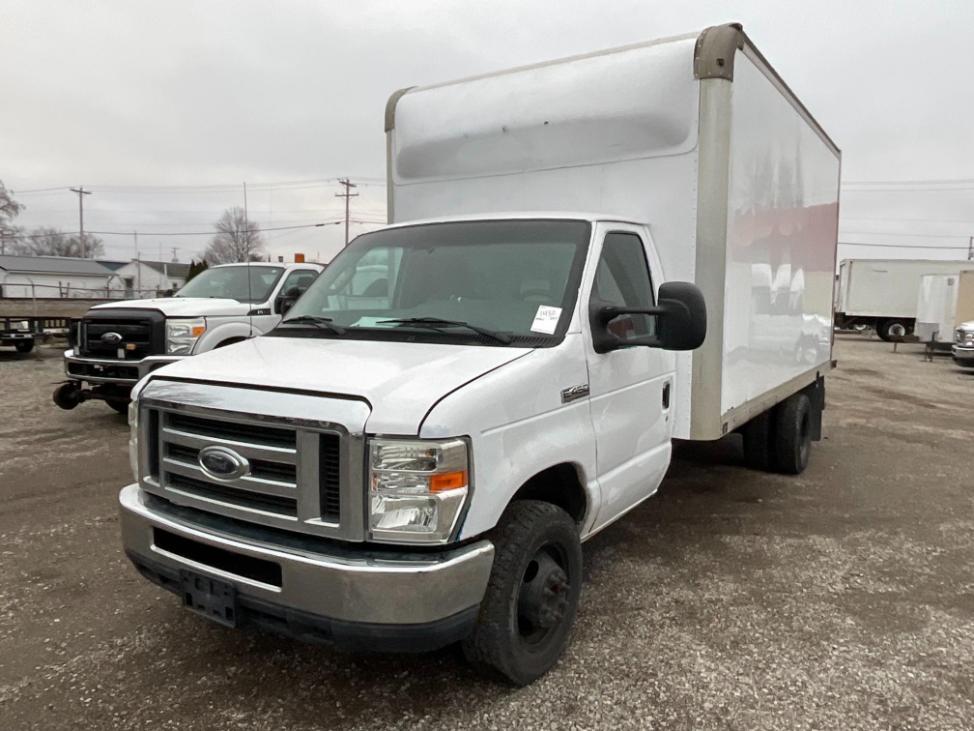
417,489
134,438
21,325
182,334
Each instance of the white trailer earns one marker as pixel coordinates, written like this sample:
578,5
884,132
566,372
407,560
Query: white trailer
586,259
882,293
944,302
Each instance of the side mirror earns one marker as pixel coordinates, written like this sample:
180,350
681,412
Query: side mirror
286,300
680,320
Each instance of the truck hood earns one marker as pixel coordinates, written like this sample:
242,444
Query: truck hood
401,381
184,306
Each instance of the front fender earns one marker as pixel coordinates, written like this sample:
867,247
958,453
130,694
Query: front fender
518,427
220,334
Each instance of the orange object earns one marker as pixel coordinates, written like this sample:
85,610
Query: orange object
299,258
448,481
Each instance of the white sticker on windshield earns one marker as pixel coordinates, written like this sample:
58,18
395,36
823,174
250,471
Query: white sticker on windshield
546,319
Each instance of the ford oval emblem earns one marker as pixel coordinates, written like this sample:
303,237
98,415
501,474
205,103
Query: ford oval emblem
221,463
111,338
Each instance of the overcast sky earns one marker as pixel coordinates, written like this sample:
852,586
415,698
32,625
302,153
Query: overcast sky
163,109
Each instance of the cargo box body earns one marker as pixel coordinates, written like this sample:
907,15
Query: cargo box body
887,288
696,137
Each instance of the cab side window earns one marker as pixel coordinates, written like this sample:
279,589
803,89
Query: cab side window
622,280
300,279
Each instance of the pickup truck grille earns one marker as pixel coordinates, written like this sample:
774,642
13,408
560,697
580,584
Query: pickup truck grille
287,476
140,333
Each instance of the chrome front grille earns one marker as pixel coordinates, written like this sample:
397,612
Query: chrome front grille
295,474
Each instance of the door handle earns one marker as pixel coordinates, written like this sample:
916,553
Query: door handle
666,395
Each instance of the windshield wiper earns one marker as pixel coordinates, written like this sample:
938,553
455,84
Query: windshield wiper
325,323
437,323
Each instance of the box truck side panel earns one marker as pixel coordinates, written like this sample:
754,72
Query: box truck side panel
782,215
888,287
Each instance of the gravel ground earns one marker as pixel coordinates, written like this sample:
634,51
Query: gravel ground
843,598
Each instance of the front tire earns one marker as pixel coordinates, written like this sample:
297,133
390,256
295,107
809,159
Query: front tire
529,607
119,405
25,346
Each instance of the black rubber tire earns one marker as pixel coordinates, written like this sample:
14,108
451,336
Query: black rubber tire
884,326
25,347
758,435
792,434
496,647
119,405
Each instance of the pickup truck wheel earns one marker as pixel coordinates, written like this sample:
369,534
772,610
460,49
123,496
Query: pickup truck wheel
120,405
25,346
529,606
793,434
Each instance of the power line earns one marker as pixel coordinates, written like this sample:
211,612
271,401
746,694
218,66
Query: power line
182,233
927,181
904,246
906,233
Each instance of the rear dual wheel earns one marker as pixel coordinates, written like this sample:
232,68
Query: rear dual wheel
780,439
529,607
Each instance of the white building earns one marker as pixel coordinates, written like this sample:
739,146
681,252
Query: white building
57,277
149,278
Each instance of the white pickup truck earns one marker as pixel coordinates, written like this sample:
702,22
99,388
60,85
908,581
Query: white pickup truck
418,462
117,343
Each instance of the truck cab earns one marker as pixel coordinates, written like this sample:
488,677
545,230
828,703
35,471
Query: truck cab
117,343
962,348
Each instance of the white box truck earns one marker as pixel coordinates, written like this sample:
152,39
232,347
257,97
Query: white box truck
944,302
586,259
882,293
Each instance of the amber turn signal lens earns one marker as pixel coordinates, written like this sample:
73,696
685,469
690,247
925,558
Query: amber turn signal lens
448,481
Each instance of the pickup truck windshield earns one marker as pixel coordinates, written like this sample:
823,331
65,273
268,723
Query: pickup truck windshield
515,278
231,283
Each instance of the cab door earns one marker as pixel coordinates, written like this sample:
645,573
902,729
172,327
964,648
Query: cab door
631,387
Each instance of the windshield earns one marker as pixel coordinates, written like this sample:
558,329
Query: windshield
231,283
516,277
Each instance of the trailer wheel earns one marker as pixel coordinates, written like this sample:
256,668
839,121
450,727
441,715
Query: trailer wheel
121,406
529,606
25,346
758,433
792,434
894,330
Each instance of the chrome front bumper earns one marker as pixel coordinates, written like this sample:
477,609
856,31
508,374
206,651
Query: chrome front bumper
963,355
107,370
310,578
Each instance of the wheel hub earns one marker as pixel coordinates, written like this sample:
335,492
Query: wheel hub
544,592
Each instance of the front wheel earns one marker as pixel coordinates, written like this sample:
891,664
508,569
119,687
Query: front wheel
120,405
529,607
25,346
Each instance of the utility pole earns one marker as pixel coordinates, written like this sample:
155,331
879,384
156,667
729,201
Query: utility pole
347,195
80,190
970,248
138,266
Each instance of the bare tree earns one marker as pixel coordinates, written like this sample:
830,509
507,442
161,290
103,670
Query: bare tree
46,241
236,239
9,209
